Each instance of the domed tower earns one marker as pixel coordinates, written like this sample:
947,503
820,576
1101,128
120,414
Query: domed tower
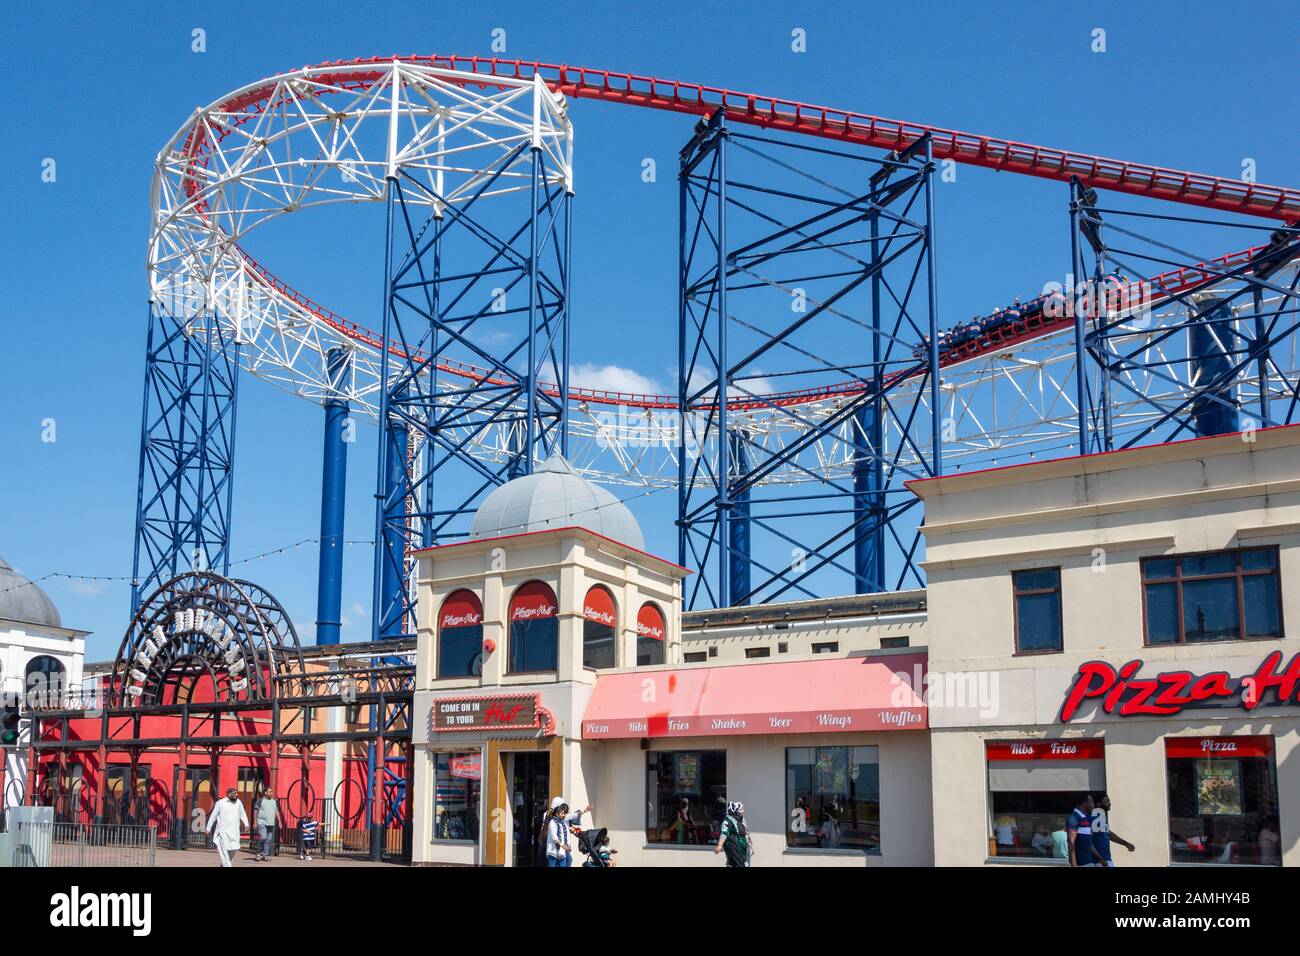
551,588
39,659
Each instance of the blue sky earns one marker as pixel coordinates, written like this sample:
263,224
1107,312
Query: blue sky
100,87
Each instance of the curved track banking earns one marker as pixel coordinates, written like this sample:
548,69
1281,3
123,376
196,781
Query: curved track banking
773,113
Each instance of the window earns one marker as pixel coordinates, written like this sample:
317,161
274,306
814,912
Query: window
534,629
1038,610
457,782
782,647
833,796
1223,805
699,657
713,651
758,652
1222,596
599,626
686,796
651,634
888,642
1034,786
460,636
826,647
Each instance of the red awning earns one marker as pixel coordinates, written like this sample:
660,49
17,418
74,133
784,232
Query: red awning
796,697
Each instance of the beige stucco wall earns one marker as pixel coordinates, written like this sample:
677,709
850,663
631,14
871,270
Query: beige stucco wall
615,776
1095,518
570,561
850,636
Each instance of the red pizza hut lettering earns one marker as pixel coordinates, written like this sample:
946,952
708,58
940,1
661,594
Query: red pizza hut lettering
646,630
600,617
1121,692
496,714
526,613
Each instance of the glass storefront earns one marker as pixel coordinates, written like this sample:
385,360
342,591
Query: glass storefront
1223,802
457,787
1033,786
833,796
686,793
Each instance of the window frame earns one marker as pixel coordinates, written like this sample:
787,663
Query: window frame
789,847
1237,574
615,628
1016,594
512,636
434,839
656,755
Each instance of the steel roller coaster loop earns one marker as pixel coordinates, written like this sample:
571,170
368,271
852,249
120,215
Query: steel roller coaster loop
473,157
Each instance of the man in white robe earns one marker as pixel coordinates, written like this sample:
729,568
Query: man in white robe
225,822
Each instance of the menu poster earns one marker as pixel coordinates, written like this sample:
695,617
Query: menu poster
686,774
1218,787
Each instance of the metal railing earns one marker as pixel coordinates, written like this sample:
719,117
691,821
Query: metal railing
28,844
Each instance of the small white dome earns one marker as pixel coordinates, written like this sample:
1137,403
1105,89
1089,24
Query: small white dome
555,496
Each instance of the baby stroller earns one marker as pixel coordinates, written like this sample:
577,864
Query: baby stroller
591,843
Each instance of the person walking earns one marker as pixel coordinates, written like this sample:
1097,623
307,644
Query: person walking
225,823
733,836
1102,835
266,811
558,821
1079,829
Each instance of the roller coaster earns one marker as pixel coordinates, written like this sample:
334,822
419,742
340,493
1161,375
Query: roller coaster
799,226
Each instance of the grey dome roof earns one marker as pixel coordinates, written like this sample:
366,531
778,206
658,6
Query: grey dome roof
21,600
555,496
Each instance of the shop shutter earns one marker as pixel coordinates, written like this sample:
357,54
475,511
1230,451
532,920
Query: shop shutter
1047,775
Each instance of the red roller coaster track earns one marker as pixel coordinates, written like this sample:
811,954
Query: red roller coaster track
1138,179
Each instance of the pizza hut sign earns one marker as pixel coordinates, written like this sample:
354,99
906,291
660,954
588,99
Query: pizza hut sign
507,712
1123,693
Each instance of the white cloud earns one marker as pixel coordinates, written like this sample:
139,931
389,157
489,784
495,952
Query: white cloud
86,588
615,378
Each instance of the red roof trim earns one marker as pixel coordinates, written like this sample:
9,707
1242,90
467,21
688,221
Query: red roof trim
1095,454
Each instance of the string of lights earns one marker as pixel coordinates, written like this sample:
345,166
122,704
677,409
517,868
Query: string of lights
70,576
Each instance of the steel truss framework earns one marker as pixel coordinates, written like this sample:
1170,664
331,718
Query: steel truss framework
187,449
1213,352
201,627
776,263
482,279
465,150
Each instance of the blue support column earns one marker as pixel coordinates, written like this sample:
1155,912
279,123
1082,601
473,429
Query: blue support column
334,471
868,486
1215,411
738,524
393,605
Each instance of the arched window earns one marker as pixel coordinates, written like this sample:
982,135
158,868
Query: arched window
651,635
599,627
460,635
44,679
534,629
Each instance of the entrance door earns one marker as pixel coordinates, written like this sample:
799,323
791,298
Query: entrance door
530,796
197,799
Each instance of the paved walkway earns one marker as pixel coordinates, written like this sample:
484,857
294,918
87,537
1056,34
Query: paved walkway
169,857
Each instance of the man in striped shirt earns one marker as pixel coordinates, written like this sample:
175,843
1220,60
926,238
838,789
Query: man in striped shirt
1079,829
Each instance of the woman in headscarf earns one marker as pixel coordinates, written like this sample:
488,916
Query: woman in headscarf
558,821
734,836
